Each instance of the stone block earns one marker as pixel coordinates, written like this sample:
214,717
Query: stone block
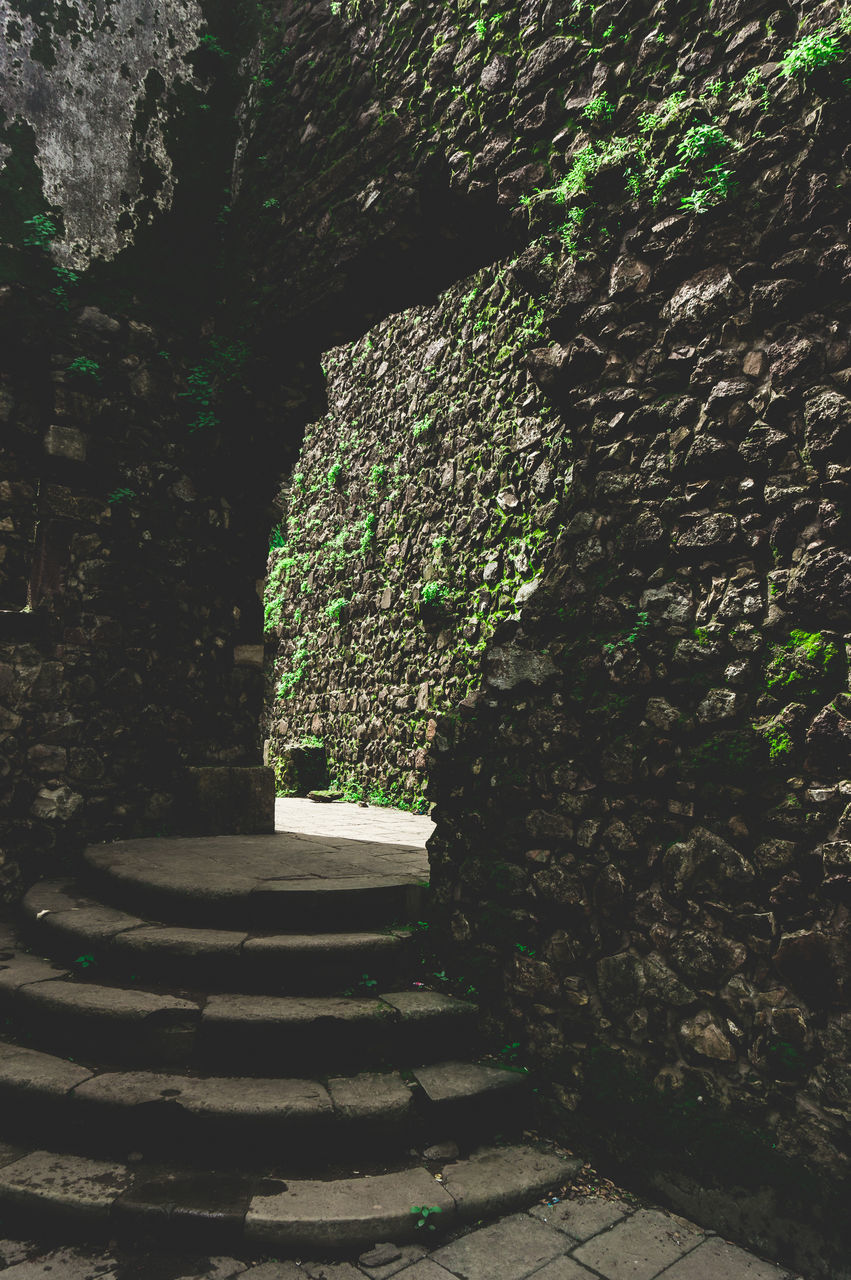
65,442
228,800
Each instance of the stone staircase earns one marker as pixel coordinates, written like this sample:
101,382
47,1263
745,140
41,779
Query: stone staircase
215,1042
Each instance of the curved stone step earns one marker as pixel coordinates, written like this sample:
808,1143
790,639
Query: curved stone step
62,919
284,882
224,1211
241,1034
302,1123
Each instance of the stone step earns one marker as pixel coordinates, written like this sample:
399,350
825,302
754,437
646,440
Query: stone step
236,1033
305,1125
221,1211
281,882
62,919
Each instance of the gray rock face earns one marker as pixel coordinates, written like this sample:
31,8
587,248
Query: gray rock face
83,91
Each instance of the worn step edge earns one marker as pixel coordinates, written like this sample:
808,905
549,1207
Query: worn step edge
58,917
334,905
153,1029
98,1198
156,1111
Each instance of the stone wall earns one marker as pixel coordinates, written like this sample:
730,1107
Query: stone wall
415,521
642,849
130,618
642,846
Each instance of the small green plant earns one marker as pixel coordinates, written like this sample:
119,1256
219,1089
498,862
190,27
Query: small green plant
779,742
277,538
435,595
311,740
85,961
83,367
289,680
335,472
370,525
819,49
212,45
570,229
378,476
42,231
121,495
717,184
756,88
421,428
699,140
509,1054
65,280
642,621
272,203
425,1212
336,609
599,109
804,649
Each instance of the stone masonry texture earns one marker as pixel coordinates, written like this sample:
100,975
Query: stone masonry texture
525,328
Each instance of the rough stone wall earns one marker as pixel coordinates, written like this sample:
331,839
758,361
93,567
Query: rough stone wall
415,521
131,624
653,889
130,666
641,816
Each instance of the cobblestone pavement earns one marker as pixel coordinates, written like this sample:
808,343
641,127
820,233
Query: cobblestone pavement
382,826
590,1238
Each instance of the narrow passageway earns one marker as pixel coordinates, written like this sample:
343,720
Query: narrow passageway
353,821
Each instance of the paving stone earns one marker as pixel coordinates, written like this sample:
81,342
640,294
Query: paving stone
350,1213
371,1095
508,1250
564,1269
583,1218
12,1251
30,1072
380,1256
211,1269
504,1178
639,1247
717,1260
331,1271
425,1270
405,1255
453,1081
393,826
275,1271
44,1179
64,1264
